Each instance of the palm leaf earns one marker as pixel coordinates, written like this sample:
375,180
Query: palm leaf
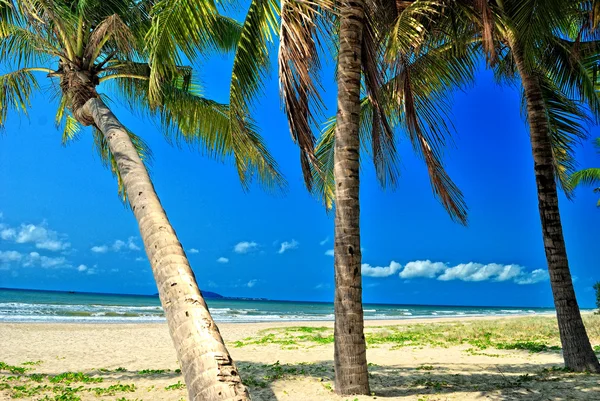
16,89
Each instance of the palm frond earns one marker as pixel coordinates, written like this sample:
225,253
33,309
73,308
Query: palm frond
185,26
298,76
567,122
419,112
108,160
71,130
589,176
112,34
187,117
16,89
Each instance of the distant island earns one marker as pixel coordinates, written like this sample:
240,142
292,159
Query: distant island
211,295
214,295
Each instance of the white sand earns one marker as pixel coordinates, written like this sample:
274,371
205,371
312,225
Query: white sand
456,374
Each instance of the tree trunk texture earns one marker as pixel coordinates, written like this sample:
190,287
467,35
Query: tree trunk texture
351,376
577,350
210,373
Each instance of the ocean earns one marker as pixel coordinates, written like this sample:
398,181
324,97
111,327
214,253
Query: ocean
51,306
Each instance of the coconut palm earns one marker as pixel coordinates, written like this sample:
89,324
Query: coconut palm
588,176
379,93
91,48
552,53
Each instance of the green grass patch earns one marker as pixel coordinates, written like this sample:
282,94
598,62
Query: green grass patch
71,377
112,390
146,372
15,370
177,386
533,334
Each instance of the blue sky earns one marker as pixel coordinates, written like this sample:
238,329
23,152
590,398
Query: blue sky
63,226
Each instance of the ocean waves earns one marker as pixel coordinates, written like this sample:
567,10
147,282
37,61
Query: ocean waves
234,311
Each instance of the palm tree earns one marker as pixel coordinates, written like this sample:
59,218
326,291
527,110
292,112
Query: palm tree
90,44
553,54
421,73
589,176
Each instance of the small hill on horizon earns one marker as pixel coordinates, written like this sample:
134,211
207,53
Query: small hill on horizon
211,295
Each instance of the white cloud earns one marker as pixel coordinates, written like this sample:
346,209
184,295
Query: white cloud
223,260
118,245
193,250
479,272
140,259
8,234
35,259
329,252
421,268
378,271
8,257
40,235
326,240
251,283
474,272
99,249
534,277
288,245
82,268
132,245
245,247
322,286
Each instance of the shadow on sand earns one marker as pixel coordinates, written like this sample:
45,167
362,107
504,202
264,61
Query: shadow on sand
433,383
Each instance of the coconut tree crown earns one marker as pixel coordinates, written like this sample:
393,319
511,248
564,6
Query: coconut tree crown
126,48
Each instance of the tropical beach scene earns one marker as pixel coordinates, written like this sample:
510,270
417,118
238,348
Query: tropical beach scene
299,200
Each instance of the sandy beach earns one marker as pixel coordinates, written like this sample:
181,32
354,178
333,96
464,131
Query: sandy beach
294,361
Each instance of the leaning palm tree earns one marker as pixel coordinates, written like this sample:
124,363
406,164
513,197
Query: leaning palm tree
87,45
588,176
379,93
549,47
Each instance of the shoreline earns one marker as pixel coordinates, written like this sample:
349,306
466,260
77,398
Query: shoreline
426,318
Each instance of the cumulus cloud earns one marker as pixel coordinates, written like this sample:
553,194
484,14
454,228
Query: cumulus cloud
8,257
285,246
35,259
479,272
245,247
39,235
132,244
329,252
534,277
193,250
379,271
251,283
223,260
421,268
118,246
99,249
81,268
8,233
471,271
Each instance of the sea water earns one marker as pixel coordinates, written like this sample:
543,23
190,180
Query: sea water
53,306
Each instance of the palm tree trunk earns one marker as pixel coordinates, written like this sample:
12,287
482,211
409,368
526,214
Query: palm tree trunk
351,376
210,373
577,351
